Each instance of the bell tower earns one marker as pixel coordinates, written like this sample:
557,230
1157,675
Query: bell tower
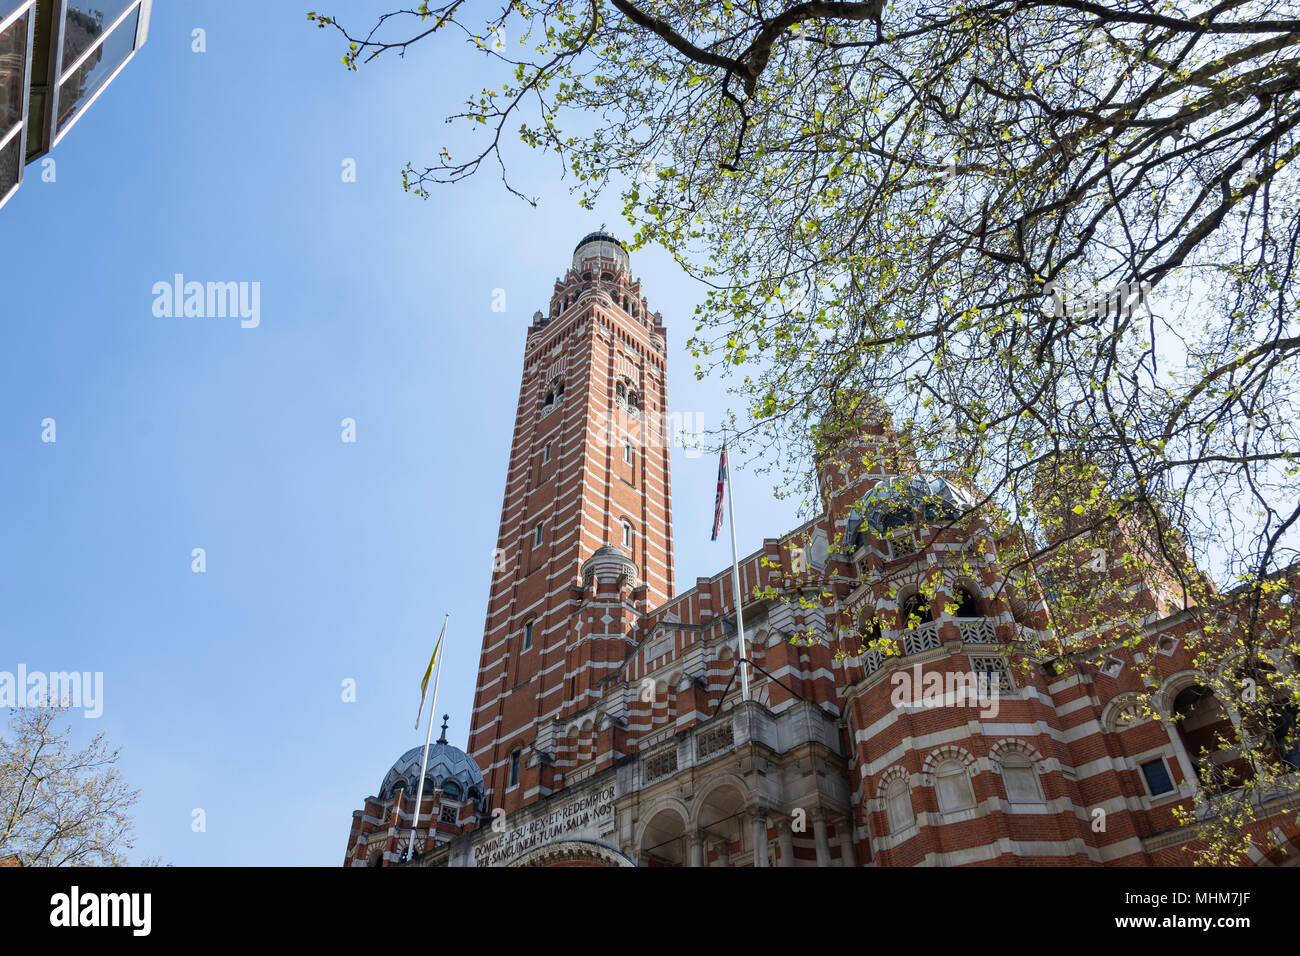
588,473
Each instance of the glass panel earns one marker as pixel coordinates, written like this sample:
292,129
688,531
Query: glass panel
13,53
11,166
83,23
1157,777
38,139
92,74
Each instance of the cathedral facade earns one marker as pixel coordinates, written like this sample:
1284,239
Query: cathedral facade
910,700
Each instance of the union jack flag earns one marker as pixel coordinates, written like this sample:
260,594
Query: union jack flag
722,480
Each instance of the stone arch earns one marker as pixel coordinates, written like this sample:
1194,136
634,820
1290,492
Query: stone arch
718,813
1173,685
948,752
1009,745
661,833
967,597
896,772
897,780
573,853
1122,712
955,790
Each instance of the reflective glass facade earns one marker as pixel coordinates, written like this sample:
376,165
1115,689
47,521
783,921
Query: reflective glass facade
15,64
56,58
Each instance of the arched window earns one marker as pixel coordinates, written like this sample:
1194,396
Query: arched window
633,401
1020,779
399,786
549,400
898,806
916,610
514,768
1203,726
968,605
869,625
620,393
451,790
627,452
952,786
528,635
1270,713
627,535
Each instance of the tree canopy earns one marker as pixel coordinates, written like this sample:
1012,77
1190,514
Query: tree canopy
61,806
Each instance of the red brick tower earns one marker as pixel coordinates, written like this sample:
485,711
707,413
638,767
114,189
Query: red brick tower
588,470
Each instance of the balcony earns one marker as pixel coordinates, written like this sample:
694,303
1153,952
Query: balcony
733,729
925,637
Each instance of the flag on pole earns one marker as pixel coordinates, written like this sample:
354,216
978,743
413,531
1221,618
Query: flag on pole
722,483
424,684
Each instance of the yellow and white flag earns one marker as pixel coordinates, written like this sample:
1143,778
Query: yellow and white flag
424,684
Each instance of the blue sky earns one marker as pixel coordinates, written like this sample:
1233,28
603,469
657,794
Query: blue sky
326,561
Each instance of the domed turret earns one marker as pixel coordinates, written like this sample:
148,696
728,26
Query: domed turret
607,564
902,500
600,251
449,769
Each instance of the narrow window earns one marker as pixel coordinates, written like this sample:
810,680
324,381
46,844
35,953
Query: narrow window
514,768
537,535
968,605
627,452
546,453
627,535
952,785
1020,779
916,611
528,635
898,806
1157,777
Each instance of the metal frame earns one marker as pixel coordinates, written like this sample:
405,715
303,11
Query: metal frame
25,8
143,8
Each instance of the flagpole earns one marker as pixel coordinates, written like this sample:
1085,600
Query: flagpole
735,581
424,763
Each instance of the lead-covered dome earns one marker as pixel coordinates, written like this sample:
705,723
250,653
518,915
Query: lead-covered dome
607,564
449,769
902,500
597,246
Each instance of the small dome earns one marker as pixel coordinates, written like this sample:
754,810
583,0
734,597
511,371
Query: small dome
449,768
597,246
608,564
898,501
